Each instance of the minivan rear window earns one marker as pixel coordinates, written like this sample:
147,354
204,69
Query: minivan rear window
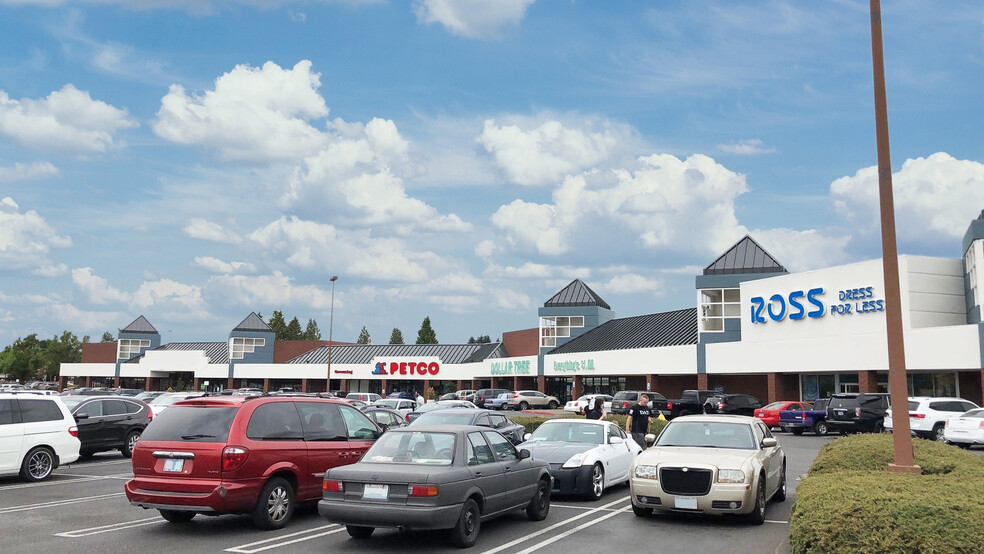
191,424
39,410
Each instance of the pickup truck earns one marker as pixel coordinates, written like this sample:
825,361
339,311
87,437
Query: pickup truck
798,421
691,402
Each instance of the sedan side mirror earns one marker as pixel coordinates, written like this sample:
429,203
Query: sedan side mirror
527,436
524,453
619,440
650,439
769,442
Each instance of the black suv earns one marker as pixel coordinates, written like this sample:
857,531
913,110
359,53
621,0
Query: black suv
858,412
108,422
485,395
625,399
736,404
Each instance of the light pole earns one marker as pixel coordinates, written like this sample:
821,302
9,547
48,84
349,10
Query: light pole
901,439
331,322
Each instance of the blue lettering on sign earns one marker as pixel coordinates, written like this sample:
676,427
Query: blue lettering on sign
795,305
757,304
811,296
782,307
851,301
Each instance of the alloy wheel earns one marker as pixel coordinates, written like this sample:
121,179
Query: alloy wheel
277,504
39,466
597,481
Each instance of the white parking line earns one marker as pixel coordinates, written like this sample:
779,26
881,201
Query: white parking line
277,542
56,503
570,532
79,533
574,507
525,538
76,479
777,521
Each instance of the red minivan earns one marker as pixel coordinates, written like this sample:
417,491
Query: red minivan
244,455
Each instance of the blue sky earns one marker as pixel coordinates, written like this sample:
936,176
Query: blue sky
195,160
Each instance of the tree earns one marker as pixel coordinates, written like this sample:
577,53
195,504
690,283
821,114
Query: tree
108,337
312,332
426,334
278,324
293,330
396,337
482,339
62,350
22,359
364,337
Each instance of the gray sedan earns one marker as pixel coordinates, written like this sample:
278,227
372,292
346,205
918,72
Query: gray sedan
436,477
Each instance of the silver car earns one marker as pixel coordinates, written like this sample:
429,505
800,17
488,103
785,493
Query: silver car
712,464
526,399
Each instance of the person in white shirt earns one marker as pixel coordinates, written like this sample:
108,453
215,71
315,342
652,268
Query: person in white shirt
420,399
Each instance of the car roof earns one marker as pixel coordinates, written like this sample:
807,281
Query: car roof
101,397
440,429
716,418
578,420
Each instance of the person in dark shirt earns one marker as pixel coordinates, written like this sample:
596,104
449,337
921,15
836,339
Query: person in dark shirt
597,410
637,424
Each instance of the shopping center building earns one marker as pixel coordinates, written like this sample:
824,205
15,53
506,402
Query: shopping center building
755,328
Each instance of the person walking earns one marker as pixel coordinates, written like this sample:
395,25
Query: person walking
597,411
637,424
419,398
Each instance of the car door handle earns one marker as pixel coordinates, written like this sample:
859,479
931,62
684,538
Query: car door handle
478,474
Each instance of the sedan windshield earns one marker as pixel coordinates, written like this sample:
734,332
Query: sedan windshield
412,448
589,433
707,434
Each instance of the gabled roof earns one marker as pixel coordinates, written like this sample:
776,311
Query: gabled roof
746,256
216,352
645,331
253,322
576,294
365,353
139,325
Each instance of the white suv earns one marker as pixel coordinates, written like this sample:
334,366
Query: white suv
37,434
928,415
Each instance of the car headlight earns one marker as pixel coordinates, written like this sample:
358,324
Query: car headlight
731,476
574,461
646,472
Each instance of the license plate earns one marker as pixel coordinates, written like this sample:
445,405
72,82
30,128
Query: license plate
174,465
685,502
375,492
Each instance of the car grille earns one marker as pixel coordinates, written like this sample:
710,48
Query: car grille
692,482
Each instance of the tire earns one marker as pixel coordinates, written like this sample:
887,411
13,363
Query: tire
175,516
359,532
552,405
798,431
757,517
129,443
642,512
524,405
780,494
820,429
878,428
465,532
85,454
38,464
539,505
275,505
597,483
938,433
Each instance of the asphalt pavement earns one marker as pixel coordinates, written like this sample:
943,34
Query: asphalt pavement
82,509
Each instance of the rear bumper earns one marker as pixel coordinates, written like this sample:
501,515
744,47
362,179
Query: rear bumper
377,514
798,424
193,495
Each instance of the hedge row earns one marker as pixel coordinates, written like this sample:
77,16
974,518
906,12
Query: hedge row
532,422
851,503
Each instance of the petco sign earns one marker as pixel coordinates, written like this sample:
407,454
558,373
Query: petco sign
404,367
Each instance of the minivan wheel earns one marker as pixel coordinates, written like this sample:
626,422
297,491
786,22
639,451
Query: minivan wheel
176,516
275,506
129,443
465,532
38,464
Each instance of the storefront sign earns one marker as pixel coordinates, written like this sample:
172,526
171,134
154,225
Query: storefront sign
576,365
519,367
799,304
397,368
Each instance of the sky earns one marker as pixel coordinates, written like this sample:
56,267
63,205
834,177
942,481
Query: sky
193,161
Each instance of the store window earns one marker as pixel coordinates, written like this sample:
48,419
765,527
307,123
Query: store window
238,346
970,262
552,328
814,387
717,304
848,383
131,347
932,384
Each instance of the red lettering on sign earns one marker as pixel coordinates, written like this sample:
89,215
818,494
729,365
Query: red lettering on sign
433,368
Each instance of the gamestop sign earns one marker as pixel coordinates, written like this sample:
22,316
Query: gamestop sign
406,367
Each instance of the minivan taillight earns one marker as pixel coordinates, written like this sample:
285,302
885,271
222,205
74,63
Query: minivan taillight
74,431
233,457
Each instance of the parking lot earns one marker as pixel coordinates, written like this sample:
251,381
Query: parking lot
82,509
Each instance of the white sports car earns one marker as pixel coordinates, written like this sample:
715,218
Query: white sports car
578,406
585,456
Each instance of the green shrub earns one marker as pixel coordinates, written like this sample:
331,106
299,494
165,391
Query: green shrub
851,503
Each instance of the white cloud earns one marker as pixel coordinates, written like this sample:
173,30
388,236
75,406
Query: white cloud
207,230
274,290
67,120
665,203
24,172
935,198
486,249
510,300
530,270
50,270
171,298
216,265
471,18
456,304
631,283
747,147
546,153
26,240
97,288
68,316
252,114
804,250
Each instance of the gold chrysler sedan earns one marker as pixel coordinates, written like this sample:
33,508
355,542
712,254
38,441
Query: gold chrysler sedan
711,464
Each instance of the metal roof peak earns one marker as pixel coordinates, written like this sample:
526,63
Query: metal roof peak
576,293
252,322
139,325
745,256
